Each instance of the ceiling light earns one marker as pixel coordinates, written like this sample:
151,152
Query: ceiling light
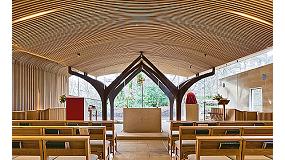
250,17
34,15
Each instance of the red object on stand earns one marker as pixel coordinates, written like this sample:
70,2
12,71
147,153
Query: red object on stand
191,98
74,108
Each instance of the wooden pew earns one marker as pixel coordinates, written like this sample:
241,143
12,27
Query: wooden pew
110,132
43,130
110,126
98,142
187,139
38,123
257,145
58,130
27,131
206,123
219,146
257,131
236,123
226,131
27,146
66,146
77,123
174,133
245,123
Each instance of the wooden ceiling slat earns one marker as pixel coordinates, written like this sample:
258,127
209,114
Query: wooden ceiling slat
101,30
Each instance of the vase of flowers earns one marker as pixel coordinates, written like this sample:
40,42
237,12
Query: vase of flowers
62,99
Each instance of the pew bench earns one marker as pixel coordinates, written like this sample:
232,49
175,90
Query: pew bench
45,146
174,133
110,132
27,146
218,146
99,145
66,146
257,145
226,131
187,139
257,131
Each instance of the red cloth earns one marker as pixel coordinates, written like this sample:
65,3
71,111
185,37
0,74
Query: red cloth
191,98
74,108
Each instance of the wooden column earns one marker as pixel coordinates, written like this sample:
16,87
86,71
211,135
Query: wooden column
183,87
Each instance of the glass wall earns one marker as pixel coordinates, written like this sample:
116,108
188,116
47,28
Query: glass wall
205,89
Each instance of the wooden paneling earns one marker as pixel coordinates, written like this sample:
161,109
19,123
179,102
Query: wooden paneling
18,115
33,115
47,114
265,116
36,88
57,114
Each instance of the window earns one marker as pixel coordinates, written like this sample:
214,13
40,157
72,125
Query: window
256,99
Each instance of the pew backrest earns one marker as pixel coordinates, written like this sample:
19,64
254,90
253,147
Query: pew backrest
66,146
218,145
27,131
257,145
226,131
27,145
257,131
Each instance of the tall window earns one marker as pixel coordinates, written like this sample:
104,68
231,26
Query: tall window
256,99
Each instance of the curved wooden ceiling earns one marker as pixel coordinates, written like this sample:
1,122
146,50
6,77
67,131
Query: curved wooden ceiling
108,35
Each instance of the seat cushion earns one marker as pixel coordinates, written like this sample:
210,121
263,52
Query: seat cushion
186,143
98,142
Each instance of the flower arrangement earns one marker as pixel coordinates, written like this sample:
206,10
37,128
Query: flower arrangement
62,98
218,97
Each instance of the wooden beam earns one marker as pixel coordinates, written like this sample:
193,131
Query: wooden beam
162,77
183,87
122,76
99,86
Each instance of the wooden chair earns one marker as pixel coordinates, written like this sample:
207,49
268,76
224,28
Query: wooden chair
218,146
257,145
110,132
257,131
66,146
174,133
187,139
98,143
27,146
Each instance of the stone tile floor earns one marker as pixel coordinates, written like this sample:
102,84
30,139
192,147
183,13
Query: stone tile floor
141,150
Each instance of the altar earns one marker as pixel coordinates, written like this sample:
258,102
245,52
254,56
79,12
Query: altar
142,120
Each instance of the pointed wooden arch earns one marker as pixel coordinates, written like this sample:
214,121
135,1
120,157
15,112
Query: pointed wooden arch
150,74
167,86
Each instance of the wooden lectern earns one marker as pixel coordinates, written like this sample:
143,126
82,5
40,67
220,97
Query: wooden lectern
224,102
